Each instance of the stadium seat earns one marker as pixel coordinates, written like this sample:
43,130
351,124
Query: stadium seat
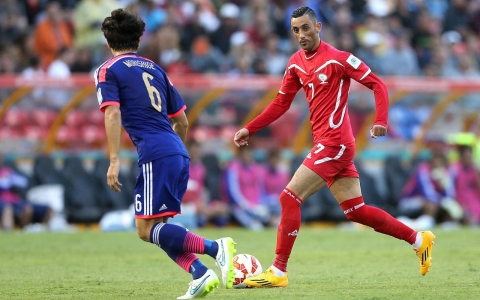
214,171
396,176
75,118
109,199
81,205
43,117
370,192
45,172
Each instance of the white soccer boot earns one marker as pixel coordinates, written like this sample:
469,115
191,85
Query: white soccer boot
202,286
224,260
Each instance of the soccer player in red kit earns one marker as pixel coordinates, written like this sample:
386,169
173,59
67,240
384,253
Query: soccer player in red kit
324,73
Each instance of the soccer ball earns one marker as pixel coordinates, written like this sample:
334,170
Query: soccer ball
246,266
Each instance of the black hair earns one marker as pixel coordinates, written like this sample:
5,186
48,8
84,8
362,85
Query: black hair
305,10
123,30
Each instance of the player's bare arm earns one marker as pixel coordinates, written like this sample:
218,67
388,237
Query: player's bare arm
180,126
113,129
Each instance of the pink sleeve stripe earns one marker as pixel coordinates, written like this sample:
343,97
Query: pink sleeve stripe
178,112
108,103
102,74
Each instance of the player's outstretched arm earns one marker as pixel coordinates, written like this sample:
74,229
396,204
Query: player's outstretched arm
113,128
241,137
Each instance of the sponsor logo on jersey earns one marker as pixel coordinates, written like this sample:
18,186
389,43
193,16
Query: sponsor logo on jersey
163,207
354,61
323,78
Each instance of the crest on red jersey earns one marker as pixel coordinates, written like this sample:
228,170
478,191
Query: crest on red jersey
323,78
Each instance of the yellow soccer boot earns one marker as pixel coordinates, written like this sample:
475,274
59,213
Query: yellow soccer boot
267,279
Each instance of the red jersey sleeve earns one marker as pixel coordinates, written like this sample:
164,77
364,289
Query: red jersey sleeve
290,86
358,70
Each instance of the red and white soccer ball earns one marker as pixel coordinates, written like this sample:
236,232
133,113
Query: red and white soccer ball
246,266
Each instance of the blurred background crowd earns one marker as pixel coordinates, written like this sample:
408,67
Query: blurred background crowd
394,37
238,38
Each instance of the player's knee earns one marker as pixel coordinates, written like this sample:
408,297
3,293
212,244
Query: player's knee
143,234
289,198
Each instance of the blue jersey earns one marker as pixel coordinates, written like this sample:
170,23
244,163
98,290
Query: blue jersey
147,100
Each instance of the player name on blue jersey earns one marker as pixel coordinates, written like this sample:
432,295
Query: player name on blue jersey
139,63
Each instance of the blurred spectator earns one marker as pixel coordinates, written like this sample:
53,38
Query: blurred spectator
220,38
466,68
204,57
275,179
52,34
6,216
244,182
87,18
83,61
13,22
456,17
400,59
164,49
33,69
59,69
152,15
197,197
422,39
243,66
429,188
192,30
275,60
370,51
9,60
25,213
172,27
260,30
467,185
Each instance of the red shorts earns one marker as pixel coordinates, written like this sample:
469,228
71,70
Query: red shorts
332,162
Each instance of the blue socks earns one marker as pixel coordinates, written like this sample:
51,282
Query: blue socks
211,248
197,269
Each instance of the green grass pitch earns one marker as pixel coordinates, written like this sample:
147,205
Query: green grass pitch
325,264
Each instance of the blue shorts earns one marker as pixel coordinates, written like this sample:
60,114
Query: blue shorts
160,187
39,211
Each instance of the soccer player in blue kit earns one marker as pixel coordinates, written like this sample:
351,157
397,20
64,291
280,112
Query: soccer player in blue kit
134,92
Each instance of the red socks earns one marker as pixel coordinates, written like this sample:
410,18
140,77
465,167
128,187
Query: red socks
288,228
357,211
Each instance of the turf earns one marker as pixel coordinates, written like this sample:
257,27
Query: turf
325,264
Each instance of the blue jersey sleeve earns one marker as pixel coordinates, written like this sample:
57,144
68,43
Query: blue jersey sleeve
107,88
175,103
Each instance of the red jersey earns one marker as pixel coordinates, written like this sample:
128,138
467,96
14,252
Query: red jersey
325,76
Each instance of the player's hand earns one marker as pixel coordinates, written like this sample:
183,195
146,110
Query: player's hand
378,130
241,137
112,175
